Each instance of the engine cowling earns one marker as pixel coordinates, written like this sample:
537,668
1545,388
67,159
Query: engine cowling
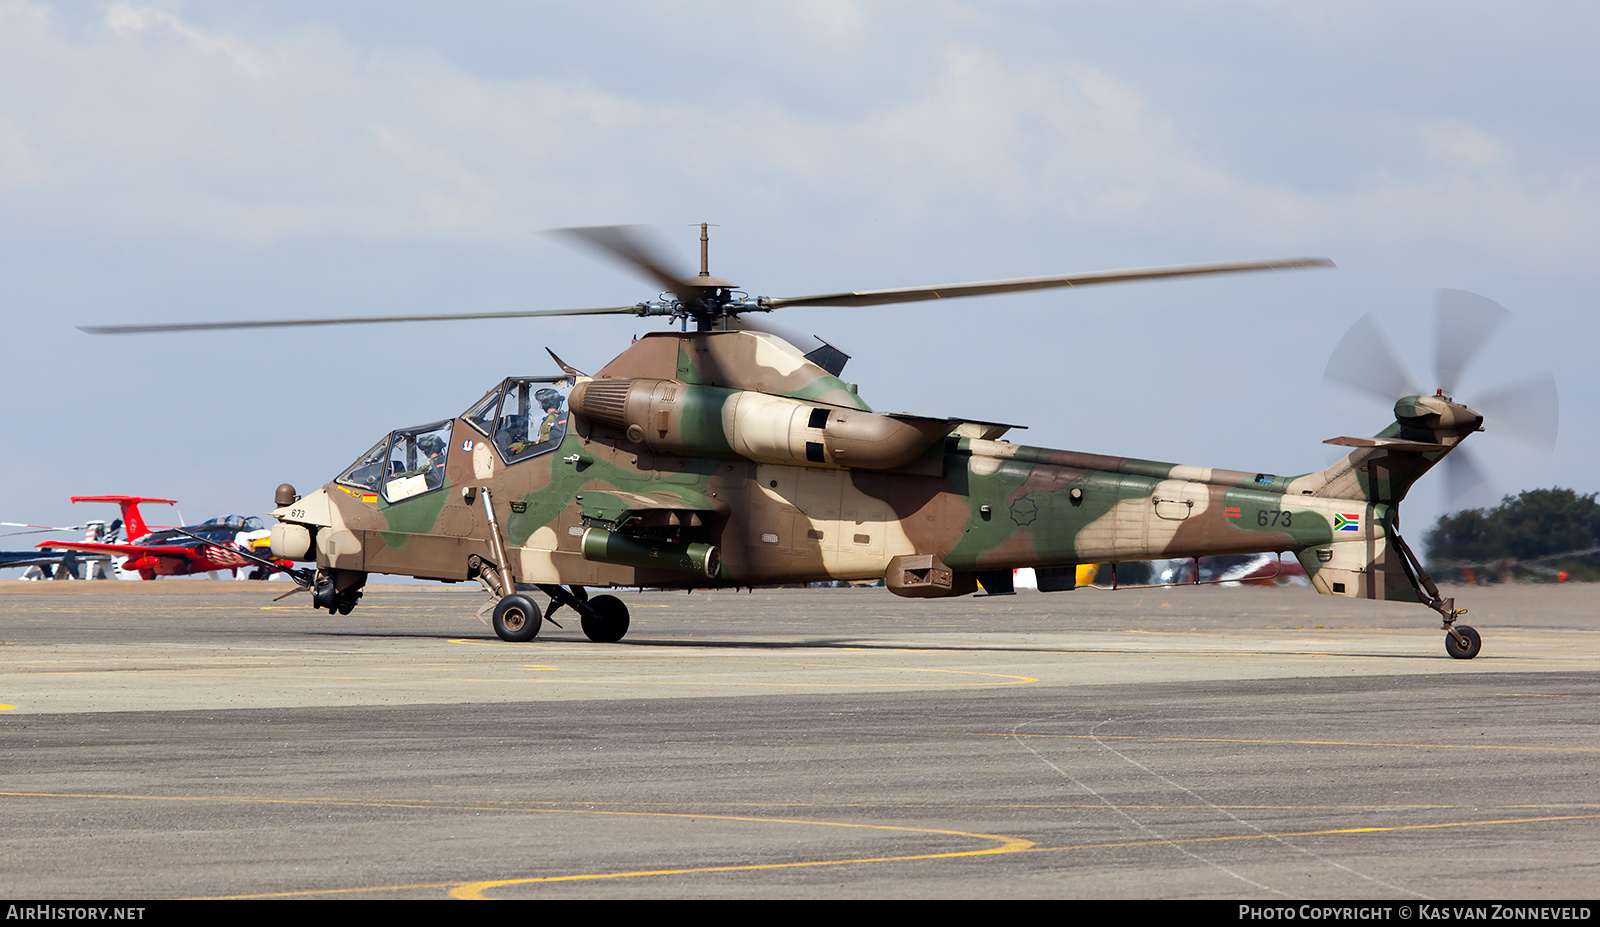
670,417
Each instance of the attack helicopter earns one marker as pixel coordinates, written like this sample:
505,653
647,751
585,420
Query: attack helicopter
724,456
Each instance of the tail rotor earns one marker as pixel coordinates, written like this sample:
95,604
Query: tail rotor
1527,411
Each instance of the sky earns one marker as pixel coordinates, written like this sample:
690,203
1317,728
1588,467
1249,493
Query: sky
176,161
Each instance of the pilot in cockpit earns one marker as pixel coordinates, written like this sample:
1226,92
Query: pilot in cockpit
550,429
554,417
433,449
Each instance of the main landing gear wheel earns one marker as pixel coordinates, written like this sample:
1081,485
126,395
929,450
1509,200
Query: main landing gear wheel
516,619
1455,648
606,621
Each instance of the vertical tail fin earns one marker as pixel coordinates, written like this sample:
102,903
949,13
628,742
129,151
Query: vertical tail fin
1365,557
1381,469
133,522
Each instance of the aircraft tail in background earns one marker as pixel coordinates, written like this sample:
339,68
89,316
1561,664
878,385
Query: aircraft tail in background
133,522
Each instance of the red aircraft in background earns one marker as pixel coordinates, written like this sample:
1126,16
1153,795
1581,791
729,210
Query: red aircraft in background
215,544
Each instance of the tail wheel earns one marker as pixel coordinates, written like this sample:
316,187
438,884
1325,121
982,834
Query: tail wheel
1474,643
606,620
516,619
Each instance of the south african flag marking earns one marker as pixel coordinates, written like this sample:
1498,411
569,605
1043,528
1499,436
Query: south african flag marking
1347,522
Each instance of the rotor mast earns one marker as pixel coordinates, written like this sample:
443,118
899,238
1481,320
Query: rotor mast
711,295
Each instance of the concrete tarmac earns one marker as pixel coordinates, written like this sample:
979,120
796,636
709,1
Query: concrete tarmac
196,739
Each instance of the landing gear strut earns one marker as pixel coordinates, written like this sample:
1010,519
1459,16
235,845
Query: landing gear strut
516,618
604,617
1462,643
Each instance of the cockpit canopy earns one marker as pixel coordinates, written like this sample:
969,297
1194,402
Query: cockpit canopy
407,462
523,416
231,523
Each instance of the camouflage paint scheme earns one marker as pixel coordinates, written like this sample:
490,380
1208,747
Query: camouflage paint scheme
775,471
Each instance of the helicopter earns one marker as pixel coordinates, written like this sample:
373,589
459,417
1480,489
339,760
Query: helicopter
723,456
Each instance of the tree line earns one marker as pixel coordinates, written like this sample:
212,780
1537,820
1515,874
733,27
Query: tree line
1536,535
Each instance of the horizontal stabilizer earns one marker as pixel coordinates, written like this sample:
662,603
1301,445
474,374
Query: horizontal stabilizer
987,431
1393,444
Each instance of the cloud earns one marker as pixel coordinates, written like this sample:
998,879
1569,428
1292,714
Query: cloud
123,18
152,124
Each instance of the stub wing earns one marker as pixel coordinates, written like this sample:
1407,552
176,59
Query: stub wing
679,505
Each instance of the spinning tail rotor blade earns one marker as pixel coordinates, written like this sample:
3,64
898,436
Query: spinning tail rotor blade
1461,474
1465,322
1364,360
1529,411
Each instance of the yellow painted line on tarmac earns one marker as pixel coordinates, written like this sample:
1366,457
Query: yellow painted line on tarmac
7,707
612,658
1528,695
1318,833
369,607
475,890
411,674
1305,743
727,679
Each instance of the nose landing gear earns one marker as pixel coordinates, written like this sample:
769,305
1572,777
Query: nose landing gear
1463,643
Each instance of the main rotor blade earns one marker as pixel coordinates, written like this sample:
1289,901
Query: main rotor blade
1364,360
626,244
1529,411
1465,323
355,320
988,288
